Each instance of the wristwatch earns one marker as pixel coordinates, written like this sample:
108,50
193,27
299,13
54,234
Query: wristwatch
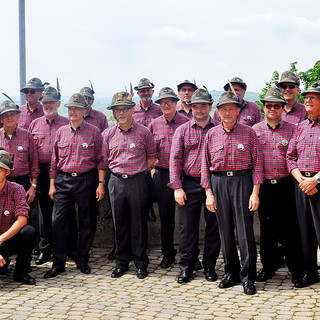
317,178
34,185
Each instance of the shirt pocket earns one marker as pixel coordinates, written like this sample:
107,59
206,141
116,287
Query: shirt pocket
21,152
243,153
86,148
191,143
39,140
63,150
159,140
217,153
282,148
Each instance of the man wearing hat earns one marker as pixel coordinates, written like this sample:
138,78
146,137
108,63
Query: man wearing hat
185,168
93,116
144,112
277,210
185,91
77,176
163,129
232,163
16,236
293,111
33,109
43,130
304,164
250,112
129,151
21,147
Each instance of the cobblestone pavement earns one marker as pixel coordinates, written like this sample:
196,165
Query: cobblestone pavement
73,295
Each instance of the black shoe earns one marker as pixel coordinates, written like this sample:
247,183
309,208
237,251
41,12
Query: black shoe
184,277
118,272
197,265
295,277
307,280
151,215
167,261
229,281
112,254
265,275
36,252
142,273
43,257
249,288
24,279
210,275
53,272
84,267
4,269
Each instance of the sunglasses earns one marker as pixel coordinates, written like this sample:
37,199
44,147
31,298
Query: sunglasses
286,86
274,106
31,91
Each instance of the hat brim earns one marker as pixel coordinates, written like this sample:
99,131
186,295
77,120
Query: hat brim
165,97
227,86
9,110
48,99
297,83
89,96
185,84
240,105
273,99
199,101
121,104
143,87
75,105
4,166
31,88
311,90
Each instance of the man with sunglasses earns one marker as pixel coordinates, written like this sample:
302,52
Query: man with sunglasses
33,108
293,111
163,129
129,151
277,210
304,164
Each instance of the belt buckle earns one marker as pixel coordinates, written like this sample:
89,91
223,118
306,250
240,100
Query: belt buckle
229,173
307,174
73,174
274,181
124,176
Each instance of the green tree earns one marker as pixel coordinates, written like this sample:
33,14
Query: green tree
310,76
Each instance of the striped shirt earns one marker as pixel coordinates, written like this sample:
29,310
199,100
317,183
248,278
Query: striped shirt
22,150
274,144
145,116
12,204
296,115
186,152
182,111
249,115
303,151
163,131
77,150
44,133
127,152
98,119
231,151
26,116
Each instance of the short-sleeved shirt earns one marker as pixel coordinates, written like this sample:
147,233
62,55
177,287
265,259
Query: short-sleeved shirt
296,115
77,150
127,152
26,116
163,131
186,151
145,116
98,119
23,152
12,204
182,111
303,151
44,132
249,115
235,150
274,143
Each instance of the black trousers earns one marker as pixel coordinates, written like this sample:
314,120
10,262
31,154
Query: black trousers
232,196
80,190
166,204
129,199
189,229
308,208
21,244
278,220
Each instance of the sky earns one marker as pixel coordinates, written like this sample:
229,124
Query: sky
113,43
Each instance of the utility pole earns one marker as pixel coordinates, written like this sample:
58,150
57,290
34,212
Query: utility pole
22,49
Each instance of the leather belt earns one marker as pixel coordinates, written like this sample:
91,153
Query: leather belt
231,173
308,173
74,174
126,176
277,181
196,179
161,169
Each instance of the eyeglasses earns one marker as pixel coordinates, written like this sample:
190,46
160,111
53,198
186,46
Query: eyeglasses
286,86
274,106
163,103
312,98
124,110
31,91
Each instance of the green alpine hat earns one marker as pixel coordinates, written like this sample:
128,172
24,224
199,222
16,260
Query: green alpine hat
235,80
121,99
229,97
7,106
314,88
5,161
201,96
274,94
50,94
166,92
289,76
87,92
34,83
77,100
144,83
193,85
